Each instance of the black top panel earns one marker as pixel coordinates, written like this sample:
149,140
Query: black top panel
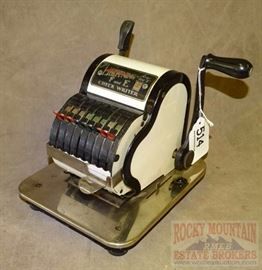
123,80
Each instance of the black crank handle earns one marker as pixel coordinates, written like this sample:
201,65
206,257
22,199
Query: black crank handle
235,67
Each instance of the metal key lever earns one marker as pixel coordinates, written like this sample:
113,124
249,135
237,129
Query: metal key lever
125,36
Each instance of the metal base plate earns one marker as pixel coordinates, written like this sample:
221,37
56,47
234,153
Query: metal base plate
117,228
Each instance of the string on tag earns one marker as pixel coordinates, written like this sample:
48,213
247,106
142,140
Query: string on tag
201,112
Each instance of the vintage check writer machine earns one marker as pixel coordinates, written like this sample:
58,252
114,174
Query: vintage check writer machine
124,150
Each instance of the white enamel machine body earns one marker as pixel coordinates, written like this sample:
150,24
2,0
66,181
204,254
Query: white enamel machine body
120,131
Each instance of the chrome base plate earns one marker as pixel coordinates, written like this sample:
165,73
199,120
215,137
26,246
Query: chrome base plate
115,228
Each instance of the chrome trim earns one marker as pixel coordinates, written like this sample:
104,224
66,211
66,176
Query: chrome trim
113,227
76,164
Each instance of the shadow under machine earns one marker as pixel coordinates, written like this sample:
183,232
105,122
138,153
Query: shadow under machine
124,150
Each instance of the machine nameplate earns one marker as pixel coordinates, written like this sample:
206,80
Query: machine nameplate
123,80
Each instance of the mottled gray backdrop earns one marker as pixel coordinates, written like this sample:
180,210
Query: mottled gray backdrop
45,49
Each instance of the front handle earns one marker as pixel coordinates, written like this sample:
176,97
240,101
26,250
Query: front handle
125,36
235,67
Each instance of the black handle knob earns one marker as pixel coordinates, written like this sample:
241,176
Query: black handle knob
235,67
125,37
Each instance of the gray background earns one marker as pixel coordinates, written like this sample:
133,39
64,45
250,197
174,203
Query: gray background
45,49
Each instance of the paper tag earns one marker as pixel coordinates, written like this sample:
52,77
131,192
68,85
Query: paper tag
199,138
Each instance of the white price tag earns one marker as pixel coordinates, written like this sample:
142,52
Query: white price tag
199,138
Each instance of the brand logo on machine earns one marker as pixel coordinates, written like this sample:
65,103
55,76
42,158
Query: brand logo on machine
123,80
232,243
